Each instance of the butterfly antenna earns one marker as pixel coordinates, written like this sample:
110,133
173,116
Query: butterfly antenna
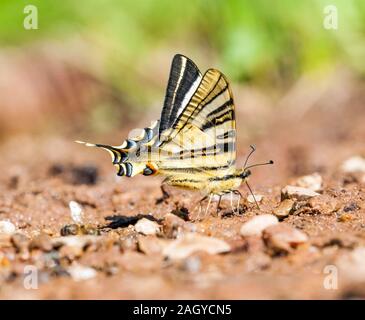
260,164
253,149
254,198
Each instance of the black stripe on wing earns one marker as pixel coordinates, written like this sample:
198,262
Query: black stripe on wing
183,81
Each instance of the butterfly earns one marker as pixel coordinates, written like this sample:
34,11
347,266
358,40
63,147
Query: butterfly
193,145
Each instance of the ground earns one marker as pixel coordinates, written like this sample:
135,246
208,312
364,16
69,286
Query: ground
42,174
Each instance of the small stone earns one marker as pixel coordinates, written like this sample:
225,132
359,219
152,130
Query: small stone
130,242
345,217
42,242
283,238
313,182
192,242
151,245
172,225
192,264
5,240
354,164
81,273
4,261
89,230
70,230
251,198
284,208
77,213
20,242
299,193
147,227
257,224
72,247
74,241
257,261
351,207
323,204
7,228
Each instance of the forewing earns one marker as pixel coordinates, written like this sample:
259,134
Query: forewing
183,82
203,136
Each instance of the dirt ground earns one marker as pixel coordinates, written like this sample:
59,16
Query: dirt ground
42,174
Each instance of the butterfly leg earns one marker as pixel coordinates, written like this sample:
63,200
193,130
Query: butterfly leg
218,205
232,207
207,208
249,188
200,206
237,192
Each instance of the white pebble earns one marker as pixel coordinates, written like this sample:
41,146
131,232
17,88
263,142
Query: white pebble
147,227
251,198
6,227
312,181
354,164
192,242
80,273
257,224
298,193
77,213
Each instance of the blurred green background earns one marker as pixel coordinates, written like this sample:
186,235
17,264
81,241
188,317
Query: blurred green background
129,44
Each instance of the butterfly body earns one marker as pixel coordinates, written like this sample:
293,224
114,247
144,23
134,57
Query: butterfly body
207,182
193,145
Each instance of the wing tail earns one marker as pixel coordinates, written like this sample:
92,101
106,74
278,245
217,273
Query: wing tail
132,156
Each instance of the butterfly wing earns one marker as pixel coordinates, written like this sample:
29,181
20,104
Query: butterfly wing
132,156
183,81
196,132
202,137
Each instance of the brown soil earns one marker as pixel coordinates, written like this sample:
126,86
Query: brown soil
40,175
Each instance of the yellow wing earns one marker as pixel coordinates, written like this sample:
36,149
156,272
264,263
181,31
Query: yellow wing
202,138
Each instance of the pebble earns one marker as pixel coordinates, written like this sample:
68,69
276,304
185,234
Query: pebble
74,241
284,208
81,273
283,238
7,228
4,261
70,230
257,224
351,207
172,225
20,242
151,245
354,164
77,213
251,198
42,242
345,217
324,204
192,264
299,193
313,182
147,227
191,242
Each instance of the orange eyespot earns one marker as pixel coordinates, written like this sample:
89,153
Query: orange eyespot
149,170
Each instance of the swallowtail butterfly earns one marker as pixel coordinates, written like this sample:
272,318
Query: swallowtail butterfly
193,145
